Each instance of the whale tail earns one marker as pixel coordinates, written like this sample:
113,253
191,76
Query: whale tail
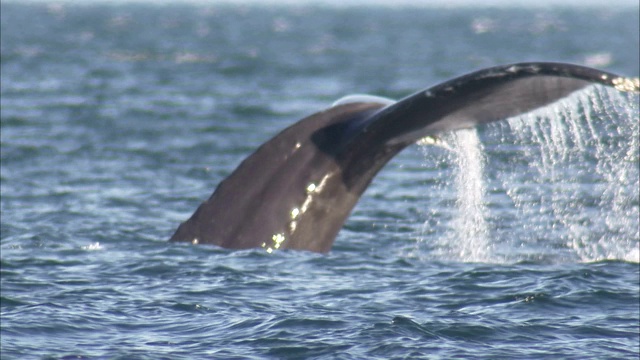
297,189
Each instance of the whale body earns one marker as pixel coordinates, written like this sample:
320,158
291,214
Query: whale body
297,189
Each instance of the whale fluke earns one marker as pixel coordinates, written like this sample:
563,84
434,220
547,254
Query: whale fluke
297,189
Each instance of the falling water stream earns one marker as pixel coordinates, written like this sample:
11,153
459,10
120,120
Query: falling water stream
571,172
470,223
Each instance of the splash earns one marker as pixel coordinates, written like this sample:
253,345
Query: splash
564,180
581,192
92,247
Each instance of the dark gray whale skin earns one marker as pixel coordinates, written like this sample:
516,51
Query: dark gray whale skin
297,189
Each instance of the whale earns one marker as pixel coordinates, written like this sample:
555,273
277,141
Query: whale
297,189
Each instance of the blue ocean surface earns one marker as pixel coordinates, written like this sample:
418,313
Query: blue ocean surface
516,240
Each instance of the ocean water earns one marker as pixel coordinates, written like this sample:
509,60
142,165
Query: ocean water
515,240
